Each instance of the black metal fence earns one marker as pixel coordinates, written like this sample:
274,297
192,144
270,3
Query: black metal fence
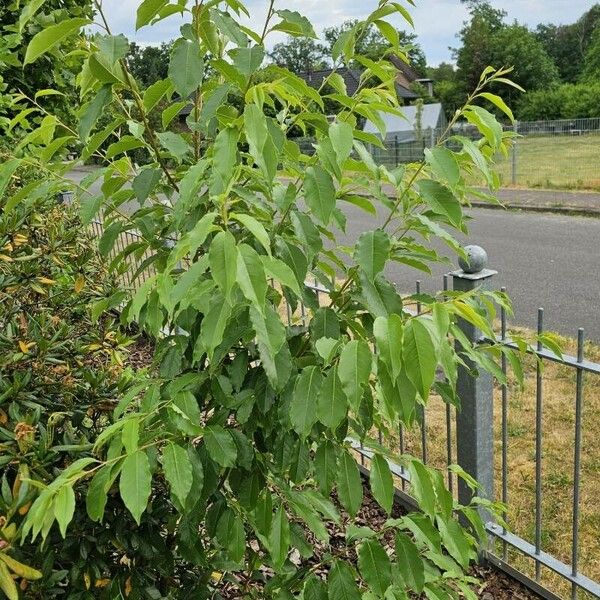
470,439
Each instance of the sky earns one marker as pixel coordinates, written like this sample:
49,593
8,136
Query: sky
436,21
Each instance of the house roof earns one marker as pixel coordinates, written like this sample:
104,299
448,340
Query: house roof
432,116
351,78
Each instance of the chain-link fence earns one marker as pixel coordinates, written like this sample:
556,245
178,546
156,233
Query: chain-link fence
562,154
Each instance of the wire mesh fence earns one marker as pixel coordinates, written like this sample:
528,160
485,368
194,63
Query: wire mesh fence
561,154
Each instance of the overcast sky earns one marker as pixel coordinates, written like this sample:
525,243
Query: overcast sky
436,21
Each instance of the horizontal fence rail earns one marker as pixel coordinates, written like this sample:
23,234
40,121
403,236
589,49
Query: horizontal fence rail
468,439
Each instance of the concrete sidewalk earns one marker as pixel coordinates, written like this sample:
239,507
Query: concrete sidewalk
557,201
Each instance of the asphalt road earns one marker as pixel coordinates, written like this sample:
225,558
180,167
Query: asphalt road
544,260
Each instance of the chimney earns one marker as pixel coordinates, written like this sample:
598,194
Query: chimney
428,83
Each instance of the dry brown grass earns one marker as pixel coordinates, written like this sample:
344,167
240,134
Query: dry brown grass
557,462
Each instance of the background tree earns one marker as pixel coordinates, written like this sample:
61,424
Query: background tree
373,45
591,67
488,40
446,87
150,63
299,55
568,45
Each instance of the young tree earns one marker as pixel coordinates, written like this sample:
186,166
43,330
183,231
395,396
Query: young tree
227,451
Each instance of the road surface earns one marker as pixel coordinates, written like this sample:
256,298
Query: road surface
544,260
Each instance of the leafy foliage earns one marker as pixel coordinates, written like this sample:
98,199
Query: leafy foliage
61,375
226,456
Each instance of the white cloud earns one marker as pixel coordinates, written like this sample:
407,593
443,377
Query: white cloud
436,21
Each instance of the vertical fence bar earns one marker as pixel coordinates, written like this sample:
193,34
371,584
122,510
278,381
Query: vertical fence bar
449,460
475,420
514,155
424,454
504,427
577,462
538,449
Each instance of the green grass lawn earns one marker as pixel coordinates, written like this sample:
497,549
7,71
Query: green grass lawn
555,162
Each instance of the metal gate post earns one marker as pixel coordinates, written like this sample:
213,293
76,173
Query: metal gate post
475,419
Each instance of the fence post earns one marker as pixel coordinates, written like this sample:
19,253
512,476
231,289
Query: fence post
397,150
475,420
514,154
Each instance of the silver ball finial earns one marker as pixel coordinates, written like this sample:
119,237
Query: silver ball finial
477,259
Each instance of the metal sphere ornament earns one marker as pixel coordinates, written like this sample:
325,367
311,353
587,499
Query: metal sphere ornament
476,261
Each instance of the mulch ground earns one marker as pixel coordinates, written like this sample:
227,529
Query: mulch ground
495,585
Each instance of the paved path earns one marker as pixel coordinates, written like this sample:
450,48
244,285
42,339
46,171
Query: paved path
544,260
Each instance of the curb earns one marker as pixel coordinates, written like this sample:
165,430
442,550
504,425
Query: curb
559,210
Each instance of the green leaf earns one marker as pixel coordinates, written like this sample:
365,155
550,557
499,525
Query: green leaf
224,160
135,483
441,200
422,487
375,566
147,10
279,271
7,583
64,508
213,327
113,47
455,541
372,252
314,589
247,60
220,445
174,143
499,103
7,170
303,408
96,497
178,471
443,164
419,356
279,538
260,142
319,193
382,484
332,404
341,135
155,92
94,110
409,563
255,228
49,37
294,24
222,256
388,333
186,67
326,466
251,276
341,582
145,182
349,484
354,370
28,12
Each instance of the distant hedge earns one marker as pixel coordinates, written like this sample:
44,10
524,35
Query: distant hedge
568,101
